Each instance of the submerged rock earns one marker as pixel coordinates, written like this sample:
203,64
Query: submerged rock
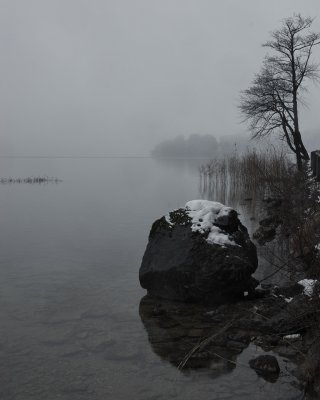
266,365
200,253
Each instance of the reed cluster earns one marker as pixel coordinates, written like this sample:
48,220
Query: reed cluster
254,172
30,179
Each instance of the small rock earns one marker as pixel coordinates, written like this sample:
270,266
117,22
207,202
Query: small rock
289,290
265,364
235,345
272,340
242,338
266,286
264,234
284,351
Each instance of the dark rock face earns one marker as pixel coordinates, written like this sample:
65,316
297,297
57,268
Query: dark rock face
181,264
265,365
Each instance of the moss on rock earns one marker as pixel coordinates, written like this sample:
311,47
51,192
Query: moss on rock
180,217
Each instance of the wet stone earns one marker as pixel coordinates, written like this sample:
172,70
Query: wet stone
238,337
285,351
272,340
265,364
238,346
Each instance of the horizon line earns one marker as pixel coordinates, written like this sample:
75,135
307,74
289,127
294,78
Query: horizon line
99,156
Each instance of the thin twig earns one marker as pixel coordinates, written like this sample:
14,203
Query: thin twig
202,345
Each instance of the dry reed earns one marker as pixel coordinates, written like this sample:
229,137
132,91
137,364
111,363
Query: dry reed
253,173
31,180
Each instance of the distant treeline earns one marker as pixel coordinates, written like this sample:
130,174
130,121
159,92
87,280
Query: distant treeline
202,146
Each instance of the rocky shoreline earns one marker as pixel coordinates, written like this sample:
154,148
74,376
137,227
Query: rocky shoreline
197,336
277,319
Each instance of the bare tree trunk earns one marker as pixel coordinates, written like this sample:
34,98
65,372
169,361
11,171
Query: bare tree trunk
303,151
299,161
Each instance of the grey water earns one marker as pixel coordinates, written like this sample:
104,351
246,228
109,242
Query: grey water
69,291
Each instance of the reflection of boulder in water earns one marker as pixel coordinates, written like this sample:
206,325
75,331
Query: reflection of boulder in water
175,329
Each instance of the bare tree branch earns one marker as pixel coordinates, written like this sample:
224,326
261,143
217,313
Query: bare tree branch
270,104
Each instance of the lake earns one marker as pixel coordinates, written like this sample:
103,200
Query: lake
69,291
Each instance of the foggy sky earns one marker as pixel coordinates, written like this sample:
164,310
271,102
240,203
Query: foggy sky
114,77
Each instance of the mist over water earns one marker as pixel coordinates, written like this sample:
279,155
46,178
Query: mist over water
89,90
70,255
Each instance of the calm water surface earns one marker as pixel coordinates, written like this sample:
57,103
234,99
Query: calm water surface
69,291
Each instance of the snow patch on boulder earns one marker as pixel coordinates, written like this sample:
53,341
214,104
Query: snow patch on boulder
206,218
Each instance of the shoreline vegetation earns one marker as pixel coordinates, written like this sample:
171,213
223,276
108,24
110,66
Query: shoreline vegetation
31,180
292,207
256,172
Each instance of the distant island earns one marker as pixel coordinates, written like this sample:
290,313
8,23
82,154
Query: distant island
200,146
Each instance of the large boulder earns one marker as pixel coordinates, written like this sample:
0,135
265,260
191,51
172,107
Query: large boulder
199,253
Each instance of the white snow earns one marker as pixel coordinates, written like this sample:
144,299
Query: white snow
294,336
204,214
289,299
308,285
167,217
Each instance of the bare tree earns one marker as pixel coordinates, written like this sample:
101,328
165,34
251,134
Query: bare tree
271,103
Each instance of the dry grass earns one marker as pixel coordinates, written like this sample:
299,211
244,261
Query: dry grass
254,172
31,180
